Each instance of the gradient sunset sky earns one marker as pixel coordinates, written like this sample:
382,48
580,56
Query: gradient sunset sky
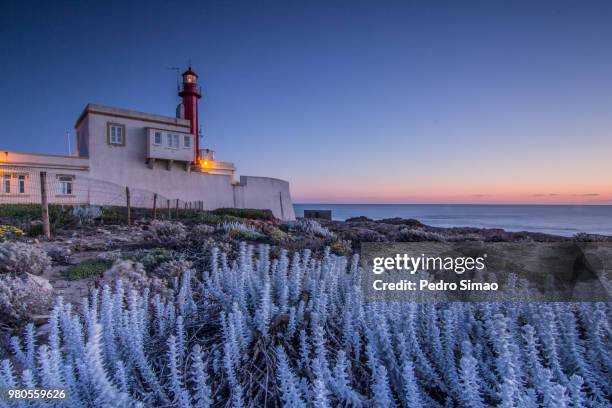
352,102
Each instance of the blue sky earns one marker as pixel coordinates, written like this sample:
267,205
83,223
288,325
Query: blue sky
462,101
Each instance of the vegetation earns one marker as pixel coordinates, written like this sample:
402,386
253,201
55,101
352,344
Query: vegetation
22,297
19,257
167,232
250,213
150,258
310,227
239,230
87,269
10,232
28,217
295,331
341,247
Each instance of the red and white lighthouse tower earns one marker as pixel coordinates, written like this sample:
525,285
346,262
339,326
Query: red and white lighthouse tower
191,92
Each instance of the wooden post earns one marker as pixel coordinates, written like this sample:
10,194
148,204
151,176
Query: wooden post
45,204
127,202
155,206
176,210
169,213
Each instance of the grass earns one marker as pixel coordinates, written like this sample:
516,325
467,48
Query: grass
250,213
87,269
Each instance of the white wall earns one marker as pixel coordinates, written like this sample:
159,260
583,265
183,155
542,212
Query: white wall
126,165
264,193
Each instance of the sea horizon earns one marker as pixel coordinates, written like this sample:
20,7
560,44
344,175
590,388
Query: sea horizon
557,219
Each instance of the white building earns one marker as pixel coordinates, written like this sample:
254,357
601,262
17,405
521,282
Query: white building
150,154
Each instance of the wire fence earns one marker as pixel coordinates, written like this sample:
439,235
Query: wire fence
23,185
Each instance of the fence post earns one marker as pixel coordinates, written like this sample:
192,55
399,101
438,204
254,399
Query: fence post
176,211
129,210
169,213
45,204
155,206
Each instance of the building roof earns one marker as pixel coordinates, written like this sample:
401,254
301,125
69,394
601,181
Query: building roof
130,114
190,72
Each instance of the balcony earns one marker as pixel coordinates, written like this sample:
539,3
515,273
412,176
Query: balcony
169,145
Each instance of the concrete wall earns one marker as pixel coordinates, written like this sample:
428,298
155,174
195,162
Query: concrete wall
264,193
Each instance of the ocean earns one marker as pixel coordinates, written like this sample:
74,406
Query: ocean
565,220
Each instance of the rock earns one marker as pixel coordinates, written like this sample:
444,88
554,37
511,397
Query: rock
358,219
410,222
109,255
43,283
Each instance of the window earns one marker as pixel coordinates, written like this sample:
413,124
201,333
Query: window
116,134
175,141
169,140
21,184
66,184
187,142
6,183
158,138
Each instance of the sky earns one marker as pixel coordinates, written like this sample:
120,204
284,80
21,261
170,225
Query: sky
352,102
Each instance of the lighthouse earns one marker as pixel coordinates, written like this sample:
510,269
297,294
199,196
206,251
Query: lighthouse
191,92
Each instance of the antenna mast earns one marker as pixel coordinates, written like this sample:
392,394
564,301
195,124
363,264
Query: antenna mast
69,146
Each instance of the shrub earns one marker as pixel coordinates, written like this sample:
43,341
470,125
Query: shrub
10,232
172,269
21,215
200,233
22,297
418,235
87,269
239,230
87,214
19,257
150,258
208,217
310,227
167,232
133,277
341,247
250,213
277,235
299,327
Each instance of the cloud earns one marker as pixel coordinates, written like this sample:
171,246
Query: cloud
587,195
480,195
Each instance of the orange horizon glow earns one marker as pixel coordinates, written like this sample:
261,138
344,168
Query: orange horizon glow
582,196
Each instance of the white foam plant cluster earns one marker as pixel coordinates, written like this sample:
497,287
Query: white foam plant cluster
236,226
21,257
294,331
311,227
